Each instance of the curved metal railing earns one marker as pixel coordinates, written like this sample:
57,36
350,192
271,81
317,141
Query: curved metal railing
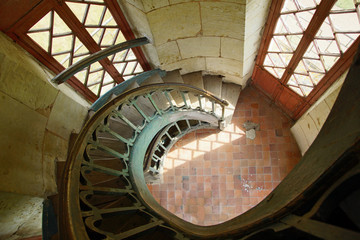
104,174
104,195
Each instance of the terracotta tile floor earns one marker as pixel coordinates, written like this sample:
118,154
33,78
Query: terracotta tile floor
211,176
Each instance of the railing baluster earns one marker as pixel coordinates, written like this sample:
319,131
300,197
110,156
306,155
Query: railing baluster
184,99
169,99
154,104
127,121
133,102
115,134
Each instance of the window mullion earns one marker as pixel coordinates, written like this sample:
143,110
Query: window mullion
319,16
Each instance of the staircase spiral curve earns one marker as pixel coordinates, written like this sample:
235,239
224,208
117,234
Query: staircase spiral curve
104,193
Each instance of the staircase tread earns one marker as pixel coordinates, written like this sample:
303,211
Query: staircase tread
173,77
213,84
153,80
230,92
194,79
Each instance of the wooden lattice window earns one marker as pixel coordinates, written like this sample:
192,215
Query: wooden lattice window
60,33
337,33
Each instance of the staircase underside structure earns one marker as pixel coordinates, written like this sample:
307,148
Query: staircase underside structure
104,193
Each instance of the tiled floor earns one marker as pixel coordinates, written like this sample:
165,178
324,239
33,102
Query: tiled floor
212,176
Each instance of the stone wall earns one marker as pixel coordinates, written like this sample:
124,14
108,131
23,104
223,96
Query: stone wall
36,121
306,129
218,37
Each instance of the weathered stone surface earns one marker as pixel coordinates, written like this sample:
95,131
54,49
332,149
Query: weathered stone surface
136,3
66,117
320,114
20,83
224,66
168,53
232,48
55,149
173,22
20,216
187,65
199,47
150,5
223,19
22,133
139,23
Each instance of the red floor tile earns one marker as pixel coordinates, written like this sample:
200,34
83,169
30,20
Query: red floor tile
212,176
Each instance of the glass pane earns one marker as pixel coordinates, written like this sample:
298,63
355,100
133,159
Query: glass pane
109,37
82,76
300,68
306,89
305,18
345,22
314,65
311,52
345,40
273,47
94,15
276,59
130,67
108,19
41,38
316,77
303,80
305,4
106,88
78,9
62,44
280,27
43,23
271,70
289,6
297,90
60,28
329,61
327,46
96,33
325,30
138,69
286,57
63,59
283,43
279,72
293,26
294,40
130,56
95,89
107,79
292,81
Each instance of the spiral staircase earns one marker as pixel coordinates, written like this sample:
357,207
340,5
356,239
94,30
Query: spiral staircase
124,143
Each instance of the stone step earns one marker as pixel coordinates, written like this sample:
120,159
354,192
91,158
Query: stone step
174,77
153,80
230,92
194,79
213,84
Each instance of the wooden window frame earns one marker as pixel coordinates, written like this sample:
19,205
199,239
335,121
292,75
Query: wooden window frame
289,101
31,13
